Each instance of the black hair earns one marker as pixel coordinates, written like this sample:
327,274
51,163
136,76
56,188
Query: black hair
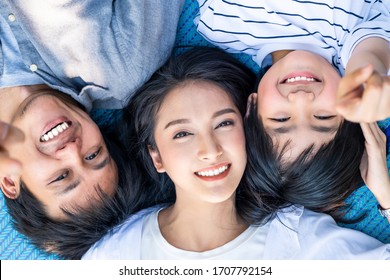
198,64
322,180
72,237
318,180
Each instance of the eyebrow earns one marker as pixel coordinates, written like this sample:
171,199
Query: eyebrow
102,164
75,184
71,187
216,114
321,129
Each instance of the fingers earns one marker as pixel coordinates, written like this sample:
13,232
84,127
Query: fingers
371,98
370,103
384,104
353,81
373,134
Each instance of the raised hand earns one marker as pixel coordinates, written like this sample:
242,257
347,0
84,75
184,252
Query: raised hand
364,96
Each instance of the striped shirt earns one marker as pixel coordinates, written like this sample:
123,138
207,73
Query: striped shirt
331,28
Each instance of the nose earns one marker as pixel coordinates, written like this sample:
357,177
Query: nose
209,148
71,151
301,95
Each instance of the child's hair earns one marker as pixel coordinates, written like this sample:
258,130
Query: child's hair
199,64
320,179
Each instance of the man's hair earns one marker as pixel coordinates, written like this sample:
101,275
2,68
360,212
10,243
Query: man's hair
318,179
72,237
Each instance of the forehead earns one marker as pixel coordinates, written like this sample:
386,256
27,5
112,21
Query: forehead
196,96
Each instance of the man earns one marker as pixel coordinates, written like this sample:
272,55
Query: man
99,53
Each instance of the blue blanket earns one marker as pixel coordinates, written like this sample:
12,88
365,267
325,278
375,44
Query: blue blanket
15,246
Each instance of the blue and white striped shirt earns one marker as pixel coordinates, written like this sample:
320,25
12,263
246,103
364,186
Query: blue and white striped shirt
329,28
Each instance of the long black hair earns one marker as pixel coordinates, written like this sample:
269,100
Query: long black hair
198,64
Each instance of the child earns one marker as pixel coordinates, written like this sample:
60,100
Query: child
189,120
308,45
302,100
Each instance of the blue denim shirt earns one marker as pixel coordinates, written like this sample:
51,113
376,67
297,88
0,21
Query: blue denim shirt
99,52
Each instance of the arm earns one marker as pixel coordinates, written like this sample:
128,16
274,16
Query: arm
364,91
373,166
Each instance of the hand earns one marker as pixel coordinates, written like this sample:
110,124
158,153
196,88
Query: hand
8,166
364,96
373,166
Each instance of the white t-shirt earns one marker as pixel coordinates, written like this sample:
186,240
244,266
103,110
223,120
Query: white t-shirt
154,246
294,233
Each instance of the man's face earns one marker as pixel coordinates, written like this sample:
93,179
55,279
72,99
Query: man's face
63,154
296,102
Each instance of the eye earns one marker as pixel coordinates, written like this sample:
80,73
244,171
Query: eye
225,123
93,155
280,119
61,177
181,134
325,117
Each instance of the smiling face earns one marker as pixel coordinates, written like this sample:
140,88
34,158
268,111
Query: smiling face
296,101
200,142
62,151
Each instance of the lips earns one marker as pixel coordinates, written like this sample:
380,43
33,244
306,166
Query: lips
214,173
70,133
55,131
54,128
300,78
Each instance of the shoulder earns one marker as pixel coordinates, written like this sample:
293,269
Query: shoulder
320,237
123,241
310,235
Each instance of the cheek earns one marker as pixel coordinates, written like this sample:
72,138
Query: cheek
269,102
236,144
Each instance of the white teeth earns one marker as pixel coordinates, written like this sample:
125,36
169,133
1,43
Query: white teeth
215,172
299,78
55,131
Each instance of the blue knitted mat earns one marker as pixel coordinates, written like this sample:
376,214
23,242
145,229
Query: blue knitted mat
14,246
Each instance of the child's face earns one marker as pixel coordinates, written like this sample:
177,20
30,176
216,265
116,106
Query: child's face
200,141
296,101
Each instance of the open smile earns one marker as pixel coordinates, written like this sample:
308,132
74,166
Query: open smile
214,173
55,131
303,77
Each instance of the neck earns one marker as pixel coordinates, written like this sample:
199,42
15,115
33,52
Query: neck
198,228
278,55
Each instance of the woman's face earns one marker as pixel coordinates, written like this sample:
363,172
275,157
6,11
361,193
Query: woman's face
200,142
296,101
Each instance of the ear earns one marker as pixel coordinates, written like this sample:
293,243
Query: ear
9,188
157,162
252,99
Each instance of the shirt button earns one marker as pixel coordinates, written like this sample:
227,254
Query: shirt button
11,17
33,67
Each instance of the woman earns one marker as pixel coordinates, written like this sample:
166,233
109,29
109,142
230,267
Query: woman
189,120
